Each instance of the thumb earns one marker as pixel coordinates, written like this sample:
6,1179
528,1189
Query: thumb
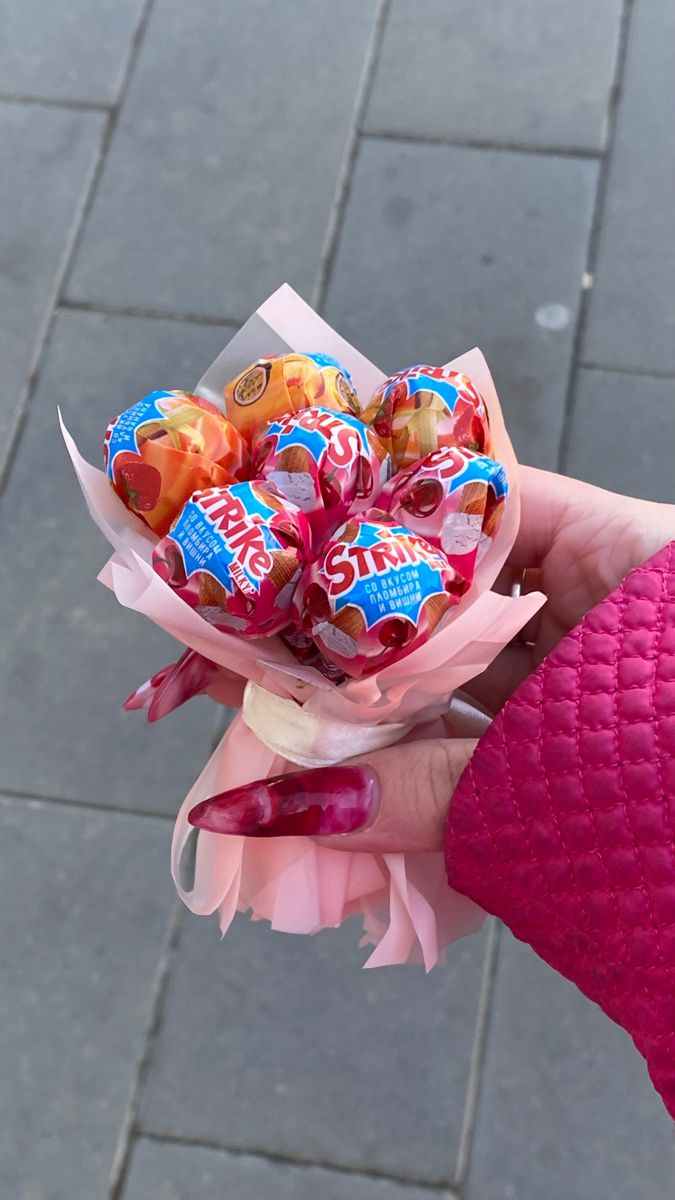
393,800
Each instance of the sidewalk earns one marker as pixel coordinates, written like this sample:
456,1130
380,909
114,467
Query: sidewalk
433,174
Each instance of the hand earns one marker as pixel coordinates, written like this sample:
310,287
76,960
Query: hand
576,543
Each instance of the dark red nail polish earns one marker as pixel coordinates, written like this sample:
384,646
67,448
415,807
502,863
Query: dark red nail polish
324,801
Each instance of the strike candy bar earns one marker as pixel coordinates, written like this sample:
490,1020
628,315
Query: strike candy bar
424,408
286,383
328,464
455,499
377,592
235,555
164,448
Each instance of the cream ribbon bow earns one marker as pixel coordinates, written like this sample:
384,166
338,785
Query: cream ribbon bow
299,735
290,730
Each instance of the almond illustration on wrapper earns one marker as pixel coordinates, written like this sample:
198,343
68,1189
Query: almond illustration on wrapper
350,621
493,519
295,458
435,608
212,593
284,569
474,498
349,531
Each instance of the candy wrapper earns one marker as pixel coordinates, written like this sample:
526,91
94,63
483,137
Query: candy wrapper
455,499
287,383
166,447
376,590
291,713
326,463
235,555
424,408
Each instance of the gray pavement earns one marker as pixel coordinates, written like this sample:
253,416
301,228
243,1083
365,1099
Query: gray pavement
434,174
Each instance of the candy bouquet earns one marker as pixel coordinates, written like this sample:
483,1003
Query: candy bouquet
323,542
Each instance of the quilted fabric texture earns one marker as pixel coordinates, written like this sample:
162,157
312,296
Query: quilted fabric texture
564,822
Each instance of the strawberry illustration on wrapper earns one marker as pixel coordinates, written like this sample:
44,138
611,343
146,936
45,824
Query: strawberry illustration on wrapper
164,448
328,464
455,499
235,555
287,383
424,408
376,593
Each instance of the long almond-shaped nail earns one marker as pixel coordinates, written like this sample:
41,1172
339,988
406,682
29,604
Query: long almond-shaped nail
323,801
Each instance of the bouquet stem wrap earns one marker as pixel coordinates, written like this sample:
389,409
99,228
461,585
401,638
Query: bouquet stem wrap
290,715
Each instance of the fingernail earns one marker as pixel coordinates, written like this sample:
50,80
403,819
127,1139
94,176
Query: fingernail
324,801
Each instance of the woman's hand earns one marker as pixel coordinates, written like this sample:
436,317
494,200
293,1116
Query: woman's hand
576,543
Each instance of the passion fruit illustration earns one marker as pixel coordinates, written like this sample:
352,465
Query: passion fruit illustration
347,394
252,385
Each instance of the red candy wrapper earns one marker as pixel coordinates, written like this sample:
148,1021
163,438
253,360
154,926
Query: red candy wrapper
328,464
287,383
424,408
164,448
377,592
235,555
455,499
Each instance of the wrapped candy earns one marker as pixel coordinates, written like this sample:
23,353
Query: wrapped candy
286,383
455,499
307,652
377,591
235,555
424,408
164,448
328,464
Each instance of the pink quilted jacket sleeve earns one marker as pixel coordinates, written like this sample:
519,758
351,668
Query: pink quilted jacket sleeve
563,824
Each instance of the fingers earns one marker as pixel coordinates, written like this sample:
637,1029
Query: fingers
415,784
396,799
546,501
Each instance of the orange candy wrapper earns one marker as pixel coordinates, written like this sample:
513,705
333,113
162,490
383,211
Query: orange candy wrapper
164,448
424,408
287,383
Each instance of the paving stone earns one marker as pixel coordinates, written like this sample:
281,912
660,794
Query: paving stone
70,654
566,1108
444,248
283,1044
84,903
167,1172
73,50
46,156
632,311
531,71
623,433
218,189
